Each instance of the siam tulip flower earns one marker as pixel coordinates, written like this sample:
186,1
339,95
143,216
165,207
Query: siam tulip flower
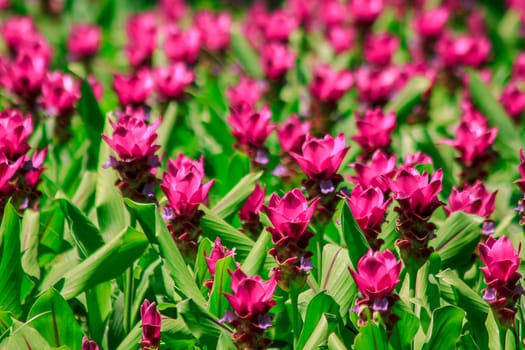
513,100
333,13
173,10
431,23
376,172
251,300
96,87
278,26
16,30
376,278
248,91
215,29
183,184
276,60
84,41
249,213
142,35
217,252
376,86
375,130
151,324
8,172
4,4
251,129
133,141
416,195
89,344
465,50
15,130
171,81
32,170
341,38
502,278
60,93
411,160
303,11
329,85
473,141
365,12
380,48
292,134
472,199
518,68
254,23
182,45
25,76
135,89
369,207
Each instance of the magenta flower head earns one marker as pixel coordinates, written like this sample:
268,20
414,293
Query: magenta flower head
135,89
26,74
518,68
365,12
142,34
292,134
430,24
16,30
251,129
15,130
217,252
84,41
8,172
60,93
133,141
472,199
376,278
375,130
89,344
249,213
248,91
376,86
329,85
333,13
465,50
416,195
173,9
513,99
182,45
151,323
502,277
369,207
251,300
215,29
376,172
380,48
276,60
171,81
278,26
341,38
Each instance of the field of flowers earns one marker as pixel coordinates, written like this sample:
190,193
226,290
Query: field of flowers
295,174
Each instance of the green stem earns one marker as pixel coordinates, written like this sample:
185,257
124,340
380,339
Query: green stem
412,279
294,298
128,299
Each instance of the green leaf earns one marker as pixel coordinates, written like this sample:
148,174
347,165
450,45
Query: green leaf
86,235
232,201
55,321
10,262
98,302
371,336
445,328
326,325
403,104
106,263
221,284
24,337
254,262
354,238
319,306
334,343
509,139
246,55
457,238
30,243
405,329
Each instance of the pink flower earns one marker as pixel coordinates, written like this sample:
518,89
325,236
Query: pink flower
34,168
96,87
368,207
15,130
134,89
329,85
472,199
380,48
292,134
60,93
341,38
276,60
513,99
278,26
417,193
142,34
501,260
366,11
133,139
215,29
430,24
182,45
251,296
411,160
521,169
151,323
26,74
253,204
217,252
376,172
464,50
321,158
376,86
89,344
4,4
171,81
18,29
333,13
376,278
518,68
84,41
183,185
247,91
375,130
8,171
173,9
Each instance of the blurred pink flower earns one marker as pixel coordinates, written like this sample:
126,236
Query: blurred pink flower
472,199
135,89
215,29
330,85
276,60
376,172
15,130
431,23
182,45
248,91
60,93
171,81
380,48
375,130
89,344
292,134
84,41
